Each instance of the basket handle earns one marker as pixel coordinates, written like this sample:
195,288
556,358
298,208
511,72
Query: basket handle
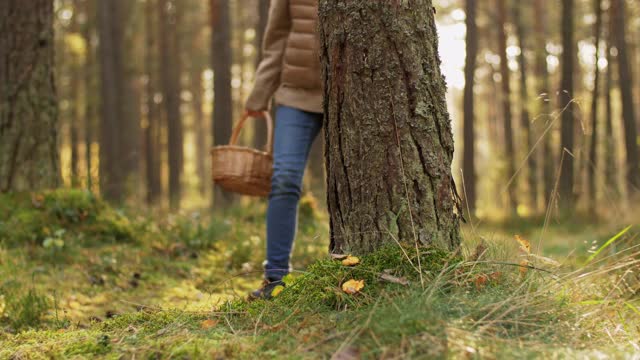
265,115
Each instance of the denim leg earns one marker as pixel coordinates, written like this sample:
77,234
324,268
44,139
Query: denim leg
295,131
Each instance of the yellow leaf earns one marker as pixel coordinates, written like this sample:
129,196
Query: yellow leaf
350,261
277,290
208,324
525,246
353,286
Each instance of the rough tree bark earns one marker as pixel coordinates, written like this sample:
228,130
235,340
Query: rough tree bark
628,112
506,106
222,100
593,159
28,105
170,50
468,157
566,102
388,141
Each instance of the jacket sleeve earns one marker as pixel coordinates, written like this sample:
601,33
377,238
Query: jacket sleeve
267,79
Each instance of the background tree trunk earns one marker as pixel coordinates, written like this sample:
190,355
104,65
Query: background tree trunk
525,120
90,89
566,98
628,112
28,104
112,104
388,138
610,174
260,127
468,157
593,159
544,100
152,147
506,106
222,102
170,61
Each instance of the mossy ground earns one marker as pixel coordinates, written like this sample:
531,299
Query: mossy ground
125,284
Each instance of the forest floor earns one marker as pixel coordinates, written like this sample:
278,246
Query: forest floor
81,279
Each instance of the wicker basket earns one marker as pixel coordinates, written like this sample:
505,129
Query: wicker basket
241,169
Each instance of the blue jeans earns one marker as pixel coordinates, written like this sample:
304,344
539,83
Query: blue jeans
295,131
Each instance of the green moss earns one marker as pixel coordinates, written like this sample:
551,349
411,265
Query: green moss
32,218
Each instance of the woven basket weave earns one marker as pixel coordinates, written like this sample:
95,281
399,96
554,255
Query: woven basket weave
244,170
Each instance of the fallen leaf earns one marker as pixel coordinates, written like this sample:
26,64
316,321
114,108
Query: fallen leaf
525,246
496,276
392,279
277,290
481,281
353,286
351,261
524,267
208,324
339,256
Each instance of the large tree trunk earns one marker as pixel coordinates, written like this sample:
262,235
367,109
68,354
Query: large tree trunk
566,103
112,102
468,157
222,101
28,107
388,138
170,61
593,159
76,112
506,107
525,121
626,83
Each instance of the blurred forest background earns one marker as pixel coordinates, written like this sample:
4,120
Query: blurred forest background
146,87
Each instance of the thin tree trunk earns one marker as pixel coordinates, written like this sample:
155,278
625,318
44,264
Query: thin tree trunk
152,148
260,127
388,138
28,104
525,119
89,88
593,159
544,100
170,50
222,102
198,118
506,106
112,107
468,157
76,113
566,102
628,111
611,183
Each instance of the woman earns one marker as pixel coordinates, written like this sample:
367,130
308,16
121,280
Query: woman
290,72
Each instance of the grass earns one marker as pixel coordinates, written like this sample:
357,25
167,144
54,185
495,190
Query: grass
174,288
